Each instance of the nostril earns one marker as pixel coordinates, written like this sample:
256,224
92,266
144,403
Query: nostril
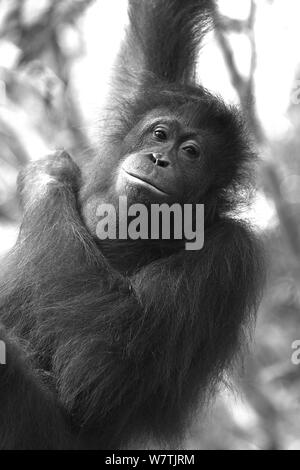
163,163
152,157
157,159
156,156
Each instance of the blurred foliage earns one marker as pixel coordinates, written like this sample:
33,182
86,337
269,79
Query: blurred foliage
39,42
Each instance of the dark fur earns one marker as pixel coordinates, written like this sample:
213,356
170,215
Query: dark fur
99,355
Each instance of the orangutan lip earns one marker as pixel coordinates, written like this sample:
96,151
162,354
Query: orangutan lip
146,181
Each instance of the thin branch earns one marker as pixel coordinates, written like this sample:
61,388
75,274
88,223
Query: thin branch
245,90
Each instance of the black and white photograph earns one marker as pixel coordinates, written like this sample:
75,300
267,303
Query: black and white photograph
149,227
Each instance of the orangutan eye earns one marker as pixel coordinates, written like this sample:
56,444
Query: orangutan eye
191,150
160,133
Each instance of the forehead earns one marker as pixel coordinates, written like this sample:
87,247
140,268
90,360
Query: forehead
181,120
